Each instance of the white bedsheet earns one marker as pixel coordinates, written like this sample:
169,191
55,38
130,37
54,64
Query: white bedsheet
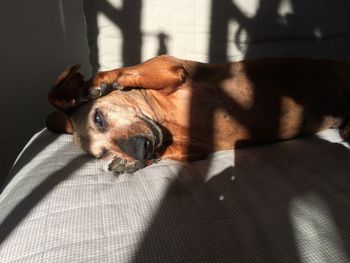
285,202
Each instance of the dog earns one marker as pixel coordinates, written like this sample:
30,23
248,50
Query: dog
169,108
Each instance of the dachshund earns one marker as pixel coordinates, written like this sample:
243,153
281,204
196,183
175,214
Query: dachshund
169,108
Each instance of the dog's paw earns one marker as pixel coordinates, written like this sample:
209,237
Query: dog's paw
103,89
120,166
101,84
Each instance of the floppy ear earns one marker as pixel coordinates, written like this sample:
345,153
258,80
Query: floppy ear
64,96
59,122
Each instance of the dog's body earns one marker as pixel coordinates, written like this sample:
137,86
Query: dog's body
184,110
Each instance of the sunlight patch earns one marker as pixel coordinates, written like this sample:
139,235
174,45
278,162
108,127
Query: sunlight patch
316,234
248,7
117,4
110,38
332,135
285,8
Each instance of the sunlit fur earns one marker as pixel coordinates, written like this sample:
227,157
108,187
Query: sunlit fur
205,107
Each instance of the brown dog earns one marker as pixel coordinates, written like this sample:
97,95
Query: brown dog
184,110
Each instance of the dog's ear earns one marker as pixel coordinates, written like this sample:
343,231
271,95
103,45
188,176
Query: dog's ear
59,122
64,96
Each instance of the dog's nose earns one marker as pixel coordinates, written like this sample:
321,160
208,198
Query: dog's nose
137,147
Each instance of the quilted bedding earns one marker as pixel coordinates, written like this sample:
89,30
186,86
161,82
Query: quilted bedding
286,202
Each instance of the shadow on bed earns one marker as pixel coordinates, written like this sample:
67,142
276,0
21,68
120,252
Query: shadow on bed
36,150
256,212
23,208
27,156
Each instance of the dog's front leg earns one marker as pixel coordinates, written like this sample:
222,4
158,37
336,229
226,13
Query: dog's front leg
120,165
163,73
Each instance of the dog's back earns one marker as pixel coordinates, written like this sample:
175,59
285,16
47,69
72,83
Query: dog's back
268,99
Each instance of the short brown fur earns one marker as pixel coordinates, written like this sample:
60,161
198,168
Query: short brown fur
252,101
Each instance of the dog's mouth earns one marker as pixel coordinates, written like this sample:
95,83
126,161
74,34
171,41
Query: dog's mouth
156,130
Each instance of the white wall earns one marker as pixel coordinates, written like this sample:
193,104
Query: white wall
38,39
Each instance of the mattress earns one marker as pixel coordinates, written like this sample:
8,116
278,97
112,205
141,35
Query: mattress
284,202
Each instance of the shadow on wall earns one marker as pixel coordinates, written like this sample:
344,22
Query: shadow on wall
127,19
38,40
280,28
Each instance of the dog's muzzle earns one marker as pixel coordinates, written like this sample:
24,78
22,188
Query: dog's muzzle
142,147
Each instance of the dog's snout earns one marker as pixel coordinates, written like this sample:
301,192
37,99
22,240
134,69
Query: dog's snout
138,147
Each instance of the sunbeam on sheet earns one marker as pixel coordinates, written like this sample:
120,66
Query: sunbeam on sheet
316,233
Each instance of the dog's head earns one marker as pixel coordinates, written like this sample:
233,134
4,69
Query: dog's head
117,124
114,125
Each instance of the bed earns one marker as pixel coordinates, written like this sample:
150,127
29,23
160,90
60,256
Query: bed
282,202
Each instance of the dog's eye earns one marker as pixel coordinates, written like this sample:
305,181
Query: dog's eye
98,120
